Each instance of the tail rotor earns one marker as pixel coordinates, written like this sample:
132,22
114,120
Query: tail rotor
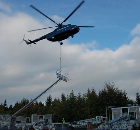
23,39
26,41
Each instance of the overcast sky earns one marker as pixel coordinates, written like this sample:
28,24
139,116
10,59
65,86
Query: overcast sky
108,52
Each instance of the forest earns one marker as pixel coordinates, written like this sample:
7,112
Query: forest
74,107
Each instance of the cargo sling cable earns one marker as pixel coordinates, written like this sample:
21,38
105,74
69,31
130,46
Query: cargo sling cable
60,57
59,76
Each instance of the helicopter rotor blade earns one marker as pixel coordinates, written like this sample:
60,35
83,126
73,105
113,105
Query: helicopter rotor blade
86,26
39,29
42,13
22,39
73,11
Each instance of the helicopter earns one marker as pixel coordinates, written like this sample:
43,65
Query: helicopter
62,32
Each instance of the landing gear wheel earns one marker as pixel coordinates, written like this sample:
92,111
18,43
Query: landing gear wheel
61,43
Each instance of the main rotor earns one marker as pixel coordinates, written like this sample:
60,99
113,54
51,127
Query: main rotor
60,24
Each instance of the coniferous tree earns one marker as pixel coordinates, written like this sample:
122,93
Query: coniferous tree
92,103
5,106
80,107
63,107
1,108
137,98
71,106
10,109
49,101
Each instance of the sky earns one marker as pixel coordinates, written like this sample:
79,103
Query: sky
109,52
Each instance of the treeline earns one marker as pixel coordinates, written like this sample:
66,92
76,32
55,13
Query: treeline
73,107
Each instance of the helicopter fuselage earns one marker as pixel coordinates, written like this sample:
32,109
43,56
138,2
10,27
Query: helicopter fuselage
62,33
59,34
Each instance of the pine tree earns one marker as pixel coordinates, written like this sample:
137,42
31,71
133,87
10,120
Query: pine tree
5,106
137,98
49,101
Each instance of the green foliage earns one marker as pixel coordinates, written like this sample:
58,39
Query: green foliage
111,96
137,98
73,107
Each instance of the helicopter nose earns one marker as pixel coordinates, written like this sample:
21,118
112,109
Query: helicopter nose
75,29
78,29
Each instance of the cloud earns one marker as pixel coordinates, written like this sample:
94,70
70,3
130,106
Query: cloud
136,30
27,71
4,7
57,18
